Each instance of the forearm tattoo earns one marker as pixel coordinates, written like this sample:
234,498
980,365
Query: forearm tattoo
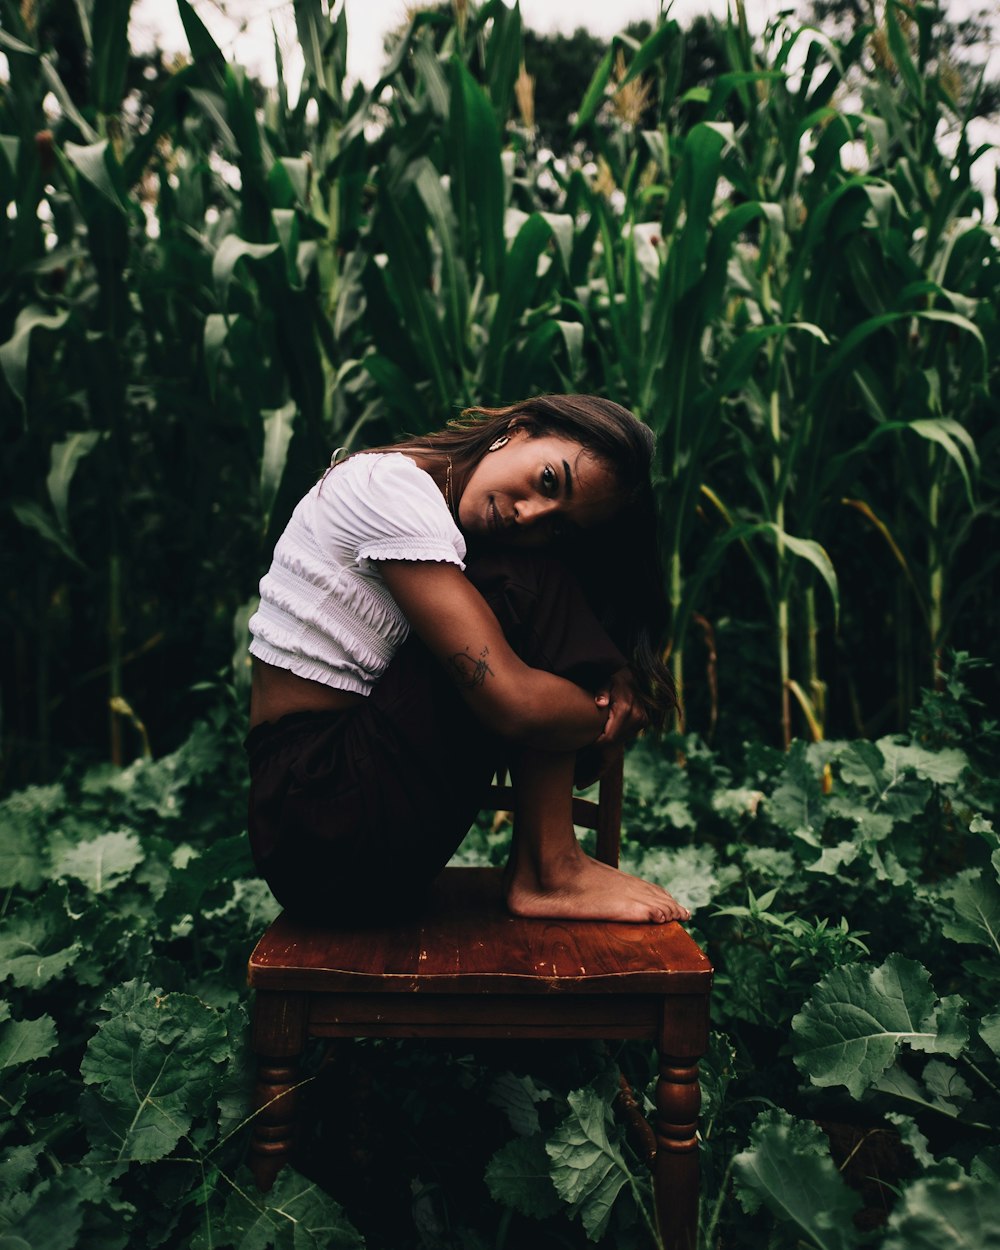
469,671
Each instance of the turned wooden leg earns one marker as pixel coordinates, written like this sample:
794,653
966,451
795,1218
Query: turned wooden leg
684,1039
279,1036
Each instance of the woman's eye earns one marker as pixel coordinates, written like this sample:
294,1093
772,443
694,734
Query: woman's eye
549,479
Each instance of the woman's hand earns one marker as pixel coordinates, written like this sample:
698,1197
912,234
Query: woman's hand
626,717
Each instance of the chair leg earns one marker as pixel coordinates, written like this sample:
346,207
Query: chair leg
278,1041
675,1174
676,1189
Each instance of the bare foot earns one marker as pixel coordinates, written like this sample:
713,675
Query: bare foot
576,887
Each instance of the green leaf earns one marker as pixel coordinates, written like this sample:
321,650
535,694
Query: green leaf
205,51
935,1212
65,457
976,900
110,54
24,1041
214,340
947,434
898,1083
51,1217
14,353
944,766
652,50
477,171
834,858
100,863
788,1168
517,1096
295,1215
518,1176
155,1063
810,550
852,1028
35,517
17,1166
588,1170
8,42
891,783
797,802
91,161
33,944
279,426
596,91
946,1084
23,819
58,88
231,251
989,1031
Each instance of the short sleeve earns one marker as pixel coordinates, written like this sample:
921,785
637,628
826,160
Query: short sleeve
392,510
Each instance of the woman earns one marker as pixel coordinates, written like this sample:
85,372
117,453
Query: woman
412,637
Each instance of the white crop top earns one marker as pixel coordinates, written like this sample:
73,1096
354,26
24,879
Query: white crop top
325,612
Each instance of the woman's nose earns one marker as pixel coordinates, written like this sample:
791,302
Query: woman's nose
531,511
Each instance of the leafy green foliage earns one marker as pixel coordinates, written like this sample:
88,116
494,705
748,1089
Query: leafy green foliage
588,1169
155,1062
941,1211
852,1028
519,1176
23,1041
295,1215
788,1167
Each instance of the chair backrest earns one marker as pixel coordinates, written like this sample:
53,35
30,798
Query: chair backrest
603,816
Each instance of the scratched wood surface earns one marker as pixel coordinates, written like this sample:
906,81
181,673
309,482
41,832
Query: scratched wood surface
465,941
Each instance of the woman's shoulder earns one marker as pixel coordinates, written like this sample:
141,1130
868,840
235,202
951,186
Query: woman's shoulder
373,467
382,493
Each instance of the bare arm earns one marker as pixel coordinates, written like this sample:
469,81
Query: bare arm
456,623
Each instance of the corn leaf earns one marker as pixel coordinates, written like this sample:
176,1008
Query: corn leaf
64,459
231,251
279,426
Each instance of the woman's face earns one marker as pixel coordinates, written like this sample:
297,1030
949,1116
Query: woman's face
535,489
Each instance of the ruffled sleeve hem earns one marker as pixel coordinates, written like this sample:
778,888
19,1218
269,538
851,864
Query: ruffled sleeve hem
410,548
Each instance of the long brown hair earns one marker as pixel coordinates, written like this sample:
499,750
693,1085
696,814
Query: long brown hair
618,563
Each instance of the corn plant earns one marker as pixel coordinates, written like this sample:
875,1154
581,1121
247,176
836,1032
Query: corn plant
198,307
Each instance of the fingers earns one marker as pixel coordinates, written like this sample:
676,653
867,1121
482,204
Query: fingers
625,720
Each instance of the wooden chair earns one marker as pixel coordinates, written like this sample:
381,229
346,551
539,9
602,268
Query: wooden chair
468,969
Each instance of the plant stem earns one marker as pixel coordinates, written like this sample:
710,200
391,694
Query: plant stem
817,687
935,569
779,519
115,654
677,654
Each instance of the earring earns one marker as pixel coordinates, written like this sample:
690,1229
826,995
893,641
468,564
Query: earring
497,443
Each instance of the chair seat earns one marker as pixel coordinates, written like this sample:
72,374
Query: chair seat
466,942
